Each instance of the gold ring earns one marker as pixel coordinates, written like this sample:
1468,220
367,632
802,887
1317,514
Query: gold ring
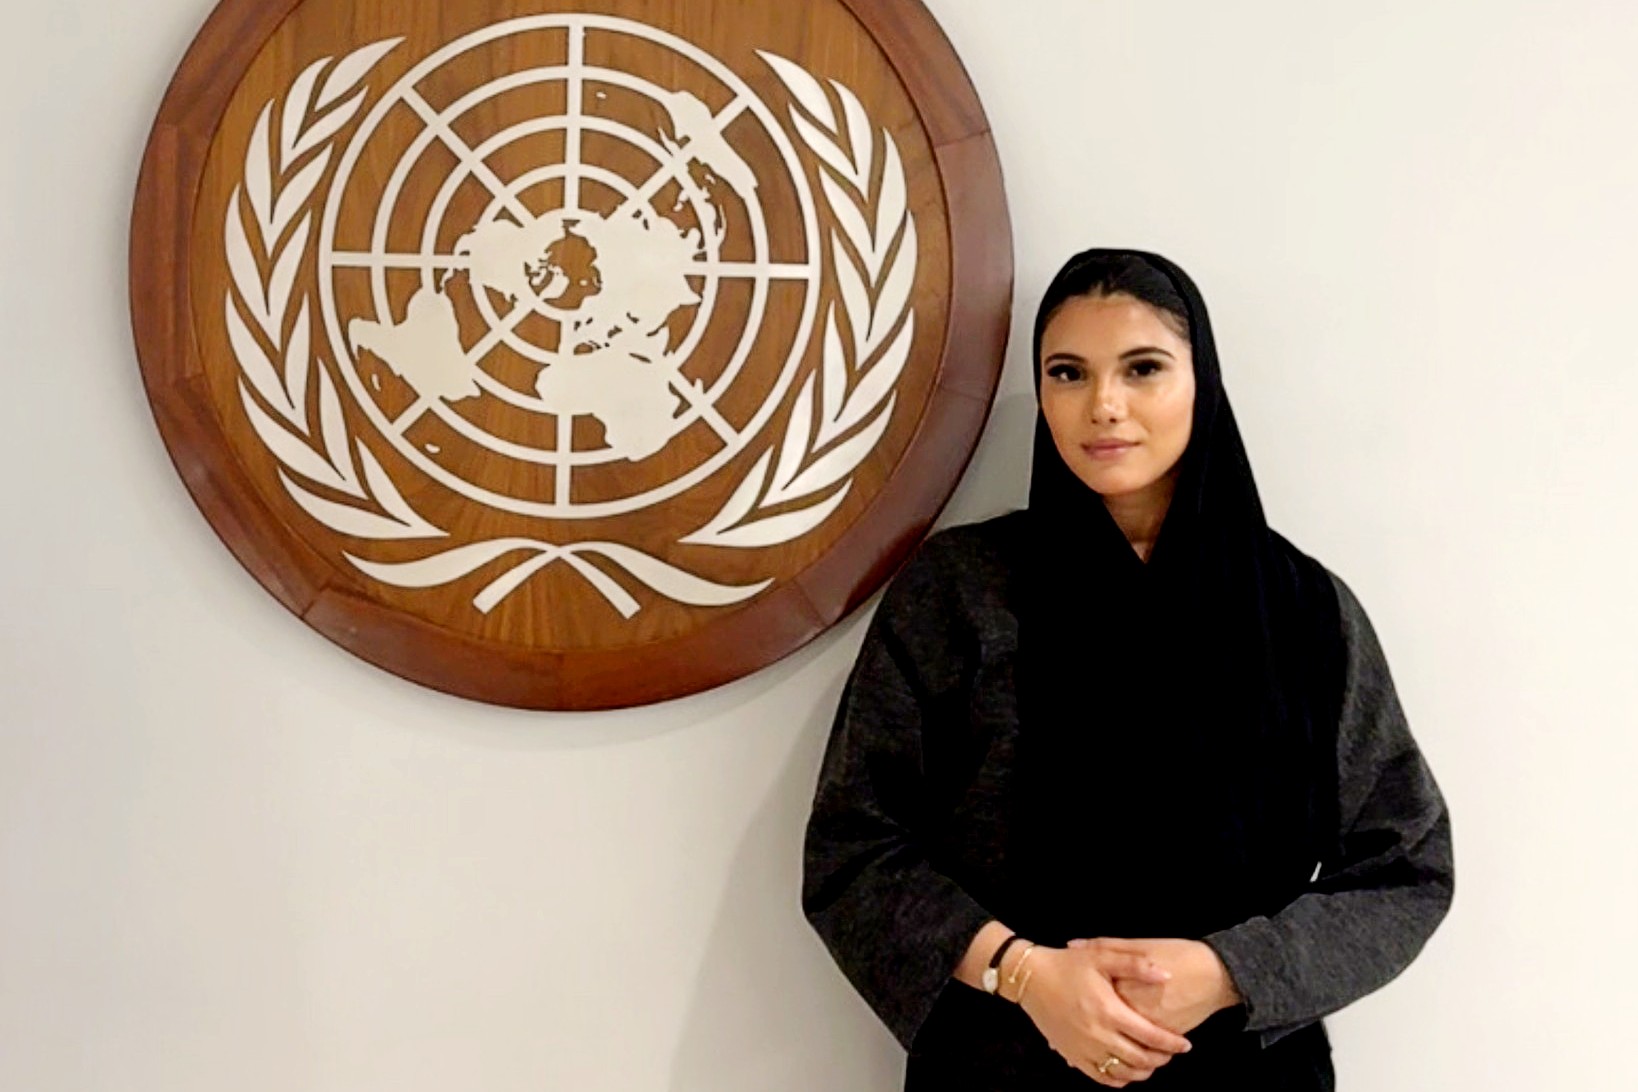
1110,1063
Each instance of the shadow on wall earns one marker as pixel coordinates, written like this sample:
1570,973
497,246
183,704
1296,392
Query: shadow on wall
770,1009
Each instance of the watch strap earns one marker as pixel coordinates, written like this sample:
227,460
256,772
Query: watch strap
992,973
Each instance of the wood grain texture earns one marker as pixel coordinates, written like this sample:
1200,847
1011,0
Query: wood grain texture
927,63
560,646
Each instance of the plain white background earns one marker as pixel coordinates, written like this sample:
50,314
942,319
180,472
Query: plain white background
232,856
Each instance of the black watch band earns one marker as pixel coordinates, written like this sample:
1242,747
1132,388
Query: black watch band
992,973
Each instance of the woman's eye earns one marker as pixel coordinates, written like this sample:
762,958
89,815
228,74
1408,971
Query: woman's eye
1145,368
1064,373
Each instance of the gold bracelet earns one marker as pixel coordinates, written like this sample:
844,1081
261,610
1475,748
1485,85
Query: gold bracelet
1019,1000
1013,977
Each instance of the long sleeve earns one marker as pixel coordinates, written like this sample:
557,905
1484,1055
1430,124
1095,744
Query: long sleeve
895,925
1369,914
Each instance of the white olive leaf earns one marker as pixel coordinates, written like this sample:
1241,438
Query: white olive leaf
387,495
347,520
880,380
333,429
284,280
247,278
892,206
327,126
824,147
294,112
842,459
852,223
784,527
739,505
669,580
259,174
855,298
289,450
895,297
795,445
297,193
858,135
297,357
803,87
833,393
354,67
254,362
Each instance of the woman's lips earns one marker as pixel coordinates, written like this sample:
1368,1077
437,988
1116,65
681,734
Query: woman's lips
1107,450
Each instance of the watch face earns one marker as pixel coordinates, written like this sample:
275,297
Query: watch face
571,354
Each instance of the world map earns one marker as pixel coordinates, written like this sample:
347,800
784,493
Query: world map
613,282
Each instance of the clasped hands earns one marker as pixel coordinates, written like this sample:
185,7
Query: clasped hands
1129,998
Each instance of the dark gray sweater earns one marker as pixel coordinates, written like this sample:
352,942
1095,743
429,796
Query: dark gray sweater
897,925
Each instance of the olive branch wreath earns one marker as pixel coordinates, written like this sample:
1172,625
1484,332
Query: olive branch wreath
868,335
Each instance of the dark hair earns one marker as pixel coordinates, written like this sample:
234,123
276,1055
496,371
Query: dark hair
1116,274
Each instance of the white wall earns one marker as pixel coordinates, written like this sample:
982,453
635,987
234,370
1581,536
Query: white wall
232,856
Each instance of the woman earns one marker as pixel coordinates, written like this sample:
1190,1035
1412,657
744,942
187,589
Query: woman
1120,780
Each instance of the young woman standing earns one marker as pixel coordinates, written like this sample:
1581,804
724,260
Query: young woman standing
1119,790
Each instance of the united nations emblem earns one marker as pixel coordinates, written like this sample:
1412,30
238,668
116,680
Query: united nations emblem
575,355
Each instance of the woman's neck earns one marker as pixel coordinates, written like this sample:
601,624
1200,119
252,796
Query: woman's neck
1139,515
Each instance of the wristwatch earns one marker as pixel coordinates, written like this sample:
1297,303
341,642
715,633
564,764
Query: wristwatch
992,974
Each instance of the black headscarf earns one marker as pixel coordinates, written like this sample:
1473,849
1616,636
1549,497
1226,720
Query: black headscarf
1175,771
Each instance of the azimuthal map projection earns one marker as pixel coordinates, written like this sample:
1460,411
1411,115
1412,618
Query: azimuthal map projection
570,355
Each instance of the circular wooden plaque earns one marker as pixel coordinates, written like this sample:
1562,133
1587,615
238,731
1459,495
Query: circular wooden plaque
570,355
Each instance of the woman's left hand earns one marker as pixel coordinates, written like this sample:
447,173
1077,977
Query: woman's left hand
1200,985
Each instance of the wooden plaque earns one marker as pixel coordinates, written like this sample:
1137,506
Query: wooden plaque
570,355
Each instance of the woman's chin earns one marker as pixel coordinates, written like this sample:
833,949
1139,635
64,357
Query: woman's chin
1110,485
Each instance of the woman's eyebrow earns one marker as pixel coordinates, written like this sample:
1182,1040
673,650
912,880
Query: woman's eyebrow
1144,350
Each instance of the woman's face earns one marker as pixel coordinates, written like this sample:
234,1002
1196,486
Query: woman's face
1117,389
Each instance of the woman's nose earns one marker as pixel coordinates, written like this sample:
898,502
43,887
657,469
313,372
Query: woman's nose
1107,402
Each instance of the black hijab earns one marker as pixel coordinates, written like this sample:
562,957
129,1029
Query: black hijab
1176,770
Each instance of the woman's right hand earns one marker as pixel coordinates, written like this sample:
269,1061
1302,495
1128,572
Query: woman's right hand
1073,1002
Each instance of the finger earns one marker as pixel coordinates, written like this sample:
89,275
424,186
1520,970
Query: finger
1126,1070
1133,1055
1136,1058
1123,1019
1109,947
1147,1033
1117,1076
1092,1071
1119,1057
1128,965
